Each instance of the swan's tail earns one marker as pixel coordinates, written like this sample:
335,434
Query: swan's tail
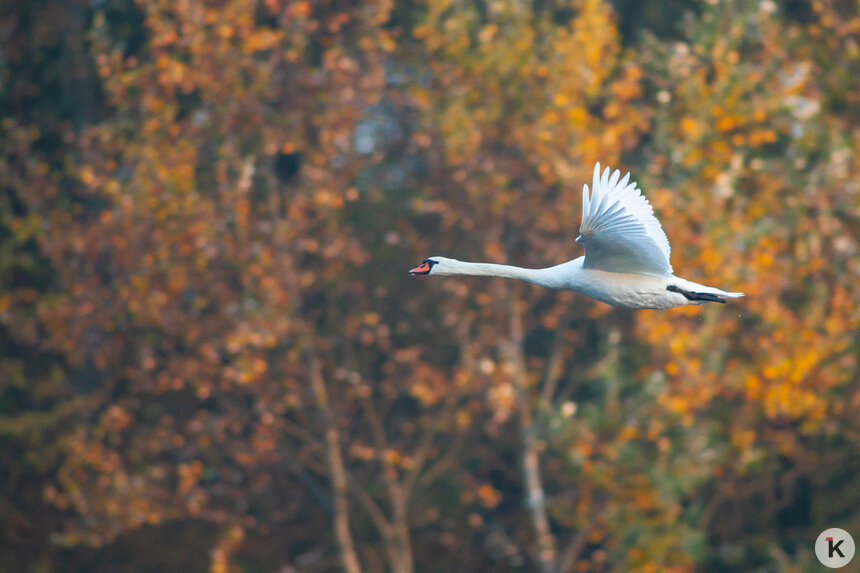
698,294
731,294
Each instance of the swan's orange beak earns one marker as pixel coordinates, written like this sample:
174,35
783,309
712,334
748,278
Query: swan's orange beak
422,269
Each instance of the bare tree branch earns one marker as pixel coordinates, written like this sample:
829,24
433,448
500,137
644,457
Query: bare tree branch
397,545
445,462
419,457
556,360
371,507
574,548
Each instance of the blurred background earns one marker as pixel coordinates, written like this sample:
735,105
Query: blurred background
212,357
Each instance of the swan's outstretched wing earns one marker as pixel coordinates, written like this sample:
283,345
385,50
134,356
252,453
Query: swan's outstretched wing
619,230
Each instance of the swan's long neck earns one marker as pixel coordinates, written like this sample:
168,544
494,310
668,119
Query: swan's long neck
549,277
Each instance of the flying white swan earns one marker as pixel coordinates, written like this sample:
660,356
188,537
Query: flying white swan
626,262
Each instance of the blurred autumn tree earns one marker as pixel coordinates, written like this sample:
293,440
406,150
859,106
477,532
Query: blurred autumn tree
757,120
46,91
212,357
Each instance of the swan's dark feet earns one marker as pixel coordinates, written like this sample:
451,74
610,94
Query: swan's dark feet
696,295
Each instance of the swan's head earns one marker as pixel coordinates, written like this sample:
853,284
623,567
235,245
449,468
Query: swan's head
425,268
434,266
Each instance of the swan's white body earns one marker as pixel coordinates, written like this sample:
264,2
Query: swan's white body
626,262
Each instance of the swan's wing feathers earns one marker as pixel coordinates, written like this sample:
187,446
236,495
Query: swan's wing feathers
619,230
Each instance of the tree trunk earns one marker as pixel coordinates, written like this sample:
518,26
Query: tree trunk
535,499
348,556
